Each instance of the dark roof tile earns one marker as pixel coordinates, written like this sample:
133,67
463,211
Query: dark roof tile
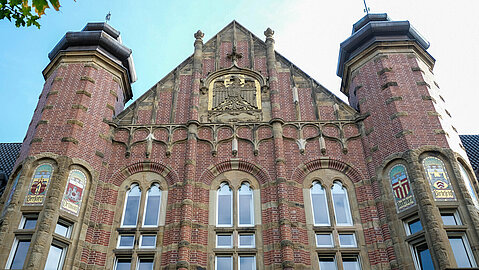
8,156
471,143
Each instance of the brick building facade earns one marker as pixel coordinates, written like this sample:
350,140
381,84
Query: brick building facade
237,159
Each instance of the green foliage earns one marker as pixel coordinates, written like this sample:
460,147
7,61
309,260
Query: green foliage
20,11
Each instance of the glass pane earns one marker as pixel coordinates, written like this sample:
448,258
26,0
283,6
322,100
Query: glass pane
246,240
469,186
341,205
123,264
225,206
152,206
247,263
62,230
449,219
126,241
145,264
347,240
30,223
324,240
54,258
414,226
351,263
148,241
20,254
224,240
224,263
460,253
320,206
424,257
327,263
131,209
245,205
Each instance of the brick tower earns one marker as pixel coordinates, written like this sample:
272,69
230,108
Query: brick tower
387,75
87,83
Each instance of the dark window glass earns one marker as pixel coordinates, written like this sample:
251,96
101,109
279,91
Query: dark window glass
424,257
30,223
415,226
20,254
145,264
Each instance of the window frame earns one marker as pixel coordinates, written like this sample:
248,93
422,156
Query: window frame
13,250
64,248
466,245
122,225
231,224
325,202
145,206
327,179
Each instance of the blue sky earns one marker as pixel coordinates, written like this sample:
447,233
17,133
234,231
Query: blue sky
307,32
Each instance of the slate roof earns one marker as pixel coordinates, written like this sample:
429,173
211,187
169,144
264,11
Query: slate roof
471,143
8,155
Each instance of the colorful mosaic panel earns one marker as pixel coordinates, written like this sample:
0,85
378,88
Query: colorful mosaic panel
438,179
73,195
39,185
10,195
401,187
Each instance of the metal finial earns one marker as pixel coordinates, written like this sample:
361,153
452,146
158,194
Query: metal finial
108,16
366,8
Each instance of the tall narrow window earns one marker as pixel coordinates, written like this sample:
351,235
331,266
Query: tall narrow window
139,235
55,257
341,205
152,208
469,186
336,241
235,230
18,254
245,205
225,206
130,215
462,252
320,205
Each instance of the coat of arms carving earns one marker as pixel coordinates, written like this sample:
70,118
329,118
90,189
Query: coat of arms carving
234,97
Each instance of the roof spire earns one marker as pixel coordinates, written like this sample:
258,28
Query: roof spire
366,8
108,16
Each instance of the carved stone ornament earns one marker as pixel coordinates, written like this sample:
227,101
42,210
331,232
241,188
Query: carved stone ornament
234,95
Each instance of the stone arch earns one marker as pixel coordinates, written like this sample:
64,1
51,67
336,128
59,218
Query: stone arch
144,166
235,164
304,169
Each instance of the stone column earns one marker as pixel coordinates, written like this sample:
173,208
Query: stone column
190,161
282,187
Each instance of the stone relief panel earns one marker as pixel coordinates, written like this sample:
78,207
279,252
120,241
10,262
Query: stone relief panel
234,97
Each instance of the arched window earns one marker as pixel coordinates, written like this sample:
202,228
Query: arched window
142,221
152,208
320,205
245,205
342,213
469,186
337,243
225,206
130,214
235,232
